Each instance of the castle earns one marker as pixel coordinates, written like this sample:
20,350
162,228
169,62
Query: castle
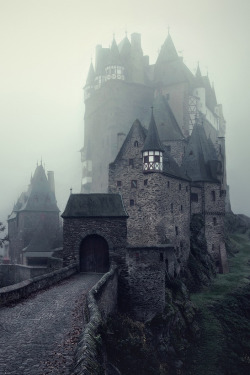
147,172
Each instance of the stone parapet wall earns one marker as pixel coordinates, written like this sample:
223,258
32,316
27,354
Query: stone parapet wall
16,273
13,293
101,301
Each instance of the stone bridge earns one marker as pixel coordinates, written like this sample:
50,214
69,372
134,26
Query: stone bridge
39,334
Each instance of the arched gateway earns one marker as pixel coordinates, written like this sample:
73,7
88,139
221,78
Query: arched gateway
94,254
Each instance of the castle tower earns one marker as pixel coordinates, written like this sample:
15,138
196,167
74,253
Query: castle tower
152,151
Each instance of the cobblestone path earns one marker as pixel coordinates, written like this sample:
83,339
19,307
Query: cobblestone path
38,336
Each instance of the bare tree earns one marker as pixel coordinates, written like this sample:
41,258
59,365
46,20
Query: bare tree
2,239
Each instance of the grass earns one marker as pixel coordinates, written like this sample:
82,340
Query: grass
239,275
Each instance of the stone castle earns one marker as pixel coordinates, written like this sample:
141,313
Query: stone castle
153,158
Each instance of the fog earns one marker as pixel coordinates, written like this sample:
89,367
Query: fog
46,49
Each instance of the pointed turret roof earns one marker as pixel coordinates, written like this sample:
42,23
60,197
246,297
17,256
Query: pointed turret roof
152,141
114,56
124,47
39,196
199,153
91,75
167,125
168,51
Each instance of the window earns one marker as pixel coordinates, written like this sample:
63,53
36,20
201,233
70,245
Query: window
145,182
169,148
161,257
168,184
176,231
136,144
172,207
131,162
213,195
191,152
194,197
179,186
132,202
134,183
186,188
181,208
119,183
214,221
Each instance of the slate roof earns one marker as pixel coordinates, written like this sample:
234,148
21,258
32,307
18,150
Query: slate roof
114,55
124,47
168,51
38,197
39,243
94,205
200,152
152,141
167,125
171,168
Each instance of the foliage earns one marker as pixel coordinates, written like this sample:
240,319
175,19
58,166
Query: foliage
2,239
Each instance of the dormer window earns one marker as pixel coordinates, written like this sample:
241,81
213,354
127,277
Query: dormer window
152,161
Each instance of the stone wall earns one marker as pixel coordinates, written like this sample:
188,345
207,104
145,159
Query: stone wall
15,292
113,230
101,301
15,273
146,278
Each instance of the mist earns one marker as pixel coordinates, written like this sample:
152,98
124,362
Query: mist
46,49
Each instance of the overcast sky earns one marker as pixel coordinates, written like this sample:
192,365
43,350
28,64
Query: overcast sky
45,51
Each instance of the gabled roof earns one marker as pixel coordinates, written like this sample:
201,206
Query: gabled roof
137,126
199,154
152,141
91,75
94,205
167,125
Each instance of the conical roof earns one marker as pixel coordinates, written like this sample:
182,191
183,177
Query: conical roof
168,51
114,56
125,47
152,141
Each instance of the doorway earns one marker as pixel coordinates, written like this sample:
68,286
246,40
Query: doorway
94,254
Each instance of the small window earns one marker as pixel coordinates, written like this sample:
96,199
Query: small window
157,159
168,184
213,195
169,148
131,162
176,231
179,186
134,183
172,207
119,183
194,197
186,188
181,208
145,182
161,257
136,144
191,152
214,221
132,202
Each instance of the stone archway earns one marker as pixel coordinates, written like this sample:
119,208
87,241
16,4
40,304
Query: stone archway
94,254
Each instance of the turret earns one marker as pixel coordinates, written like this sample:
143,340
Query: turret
114,68
152,151
90,82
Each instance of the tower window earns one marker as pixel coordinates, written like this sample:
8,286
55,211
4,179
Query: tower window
119,183
186,188
168,184
172,207
161,257
181,208
131,202
179,186
214,221
136,144
176,231
134,183
194,197
145,182
131,162
213,195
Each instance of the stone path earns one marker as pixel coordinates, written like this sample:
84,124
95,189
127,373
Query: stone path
38,336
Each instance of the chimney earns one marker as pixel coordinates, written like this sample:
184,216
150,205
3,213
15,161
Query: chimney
51,181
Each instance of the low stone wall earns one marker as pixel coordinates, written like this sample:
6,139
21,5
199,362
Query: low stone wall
16,273
101,301
13,293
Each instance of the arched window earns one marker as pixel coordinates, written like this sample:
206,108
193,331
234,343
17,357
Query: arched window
136,144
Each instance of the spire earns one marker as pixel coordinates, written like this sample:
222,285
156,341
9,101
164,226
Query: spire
115,58
152,141
91,75
168,51
198,71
